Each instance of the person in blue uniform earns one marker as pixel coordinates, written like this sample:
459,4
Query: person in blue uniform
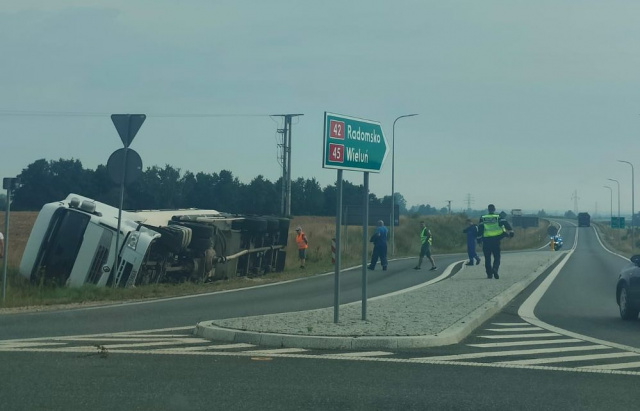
472,234
379,240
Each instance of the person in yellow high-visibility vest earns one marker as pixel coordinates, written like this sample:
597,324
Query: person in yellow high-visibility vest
491,229
425,247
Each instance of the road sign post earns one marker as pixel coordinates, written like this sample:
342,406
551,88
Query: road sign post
9,184
356,145
127,126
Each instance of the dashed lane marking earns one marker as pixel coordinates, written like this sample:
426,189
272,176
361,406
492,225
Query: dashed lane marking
210,347
621,366
537,335
363,354
277,351
521,343
19,345
514,353
573,358
158,343
512,329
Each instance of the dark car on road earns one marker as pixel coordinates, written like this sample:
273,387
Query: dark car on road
628,290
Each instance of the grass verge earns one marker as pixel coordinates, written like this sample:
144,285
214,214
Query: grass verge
447,233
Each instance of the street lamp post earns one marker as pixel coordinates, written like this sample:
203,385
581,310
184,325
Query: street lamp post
618,183
611,203
633,211
393,192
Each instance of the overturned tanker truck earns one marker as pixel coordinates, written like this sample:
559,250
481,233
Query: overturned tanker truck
73,243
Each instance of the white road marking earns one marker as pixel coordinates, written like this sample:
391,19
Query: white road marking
276,351
73,337
115,339
571,358
19,345
526,310
517,343
132,336
363,354
539,335
508,330
231,346
620,366
511,324
210,347
92,350
514,353
158,343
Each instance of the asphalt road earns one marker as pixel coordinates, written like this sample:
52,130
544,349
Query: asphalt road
582,298
145,382
84,374
316,292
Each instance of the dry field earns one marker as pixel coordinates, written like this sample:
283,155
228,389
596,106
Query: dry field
446,230
19,229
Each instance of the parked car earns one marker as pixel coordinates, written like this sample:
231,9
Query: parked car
628,290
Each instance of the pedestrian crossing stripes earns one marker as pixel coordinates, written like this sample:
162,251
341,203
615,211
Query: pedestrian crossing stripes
535,349
550,348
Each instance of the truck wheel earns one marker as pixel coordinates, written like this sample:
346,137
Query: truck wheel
173,238
198,230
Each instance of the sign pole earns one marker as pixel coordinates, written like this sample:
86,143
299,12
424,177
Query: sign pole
357,145
6,244
336,283
365,238
127,126
124,176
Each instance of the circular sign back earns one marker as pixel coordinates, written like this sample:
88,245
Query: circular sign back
116,166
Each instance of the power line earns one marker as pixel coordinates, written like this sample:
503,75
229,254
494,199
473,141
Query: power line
19,113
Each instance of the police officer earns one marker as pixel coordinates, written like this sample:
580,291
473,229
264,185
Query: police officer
491,229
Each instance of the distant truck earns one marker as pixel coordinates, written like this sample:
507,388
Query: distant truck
73,242
584,220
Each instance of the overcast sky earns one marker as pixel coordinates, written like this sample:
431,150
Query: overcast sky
520,103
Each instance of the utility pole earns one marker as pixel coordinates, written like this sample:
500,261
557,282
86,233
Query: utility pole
286,163
449,205
469,201
575,199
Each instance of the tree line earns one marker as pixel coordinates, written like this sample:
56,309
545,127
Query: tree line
45,181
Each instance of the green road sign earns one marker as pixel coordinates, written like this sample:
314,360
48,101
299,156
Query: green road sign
353,144
617,222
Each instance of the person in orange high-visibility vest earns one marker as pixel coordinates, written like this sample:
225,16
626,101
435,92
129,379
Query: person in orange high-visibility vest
303,244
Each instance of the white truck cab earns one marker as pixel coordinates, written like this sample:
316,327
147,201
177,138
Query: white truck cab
73,243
